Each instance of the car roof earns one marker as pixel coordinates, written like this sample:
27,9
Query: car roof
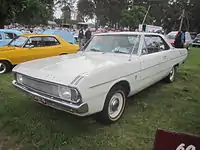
11,30
128,33
35,35
64,34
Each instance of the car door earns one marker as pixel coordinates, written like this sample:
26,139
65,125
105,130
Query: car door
150,61
52,46
168,54
34,49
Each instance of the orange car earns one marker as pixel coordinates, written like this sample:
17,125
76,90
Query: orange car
33,46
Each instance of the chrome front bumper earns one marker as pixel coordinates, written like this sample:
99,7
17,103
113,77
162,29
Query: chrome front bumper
79,110
195,44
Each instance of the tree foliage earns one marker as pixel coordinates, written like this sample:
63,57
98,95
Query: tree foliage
134,16
26,11
165,13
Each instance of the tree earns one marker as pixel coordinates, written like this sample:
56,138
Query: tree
86,8
25,11
164,13
36,12
134,16
9,9
66,14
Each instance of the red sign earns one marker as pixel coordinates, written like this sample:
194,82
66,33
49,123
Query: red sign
176,141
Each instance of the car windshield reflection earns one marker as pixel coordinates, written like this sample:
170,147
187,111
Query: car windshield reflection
18,41
122,44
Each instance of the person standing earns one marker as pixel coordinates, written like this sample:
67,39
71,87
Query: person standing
88,35
81,37
178,43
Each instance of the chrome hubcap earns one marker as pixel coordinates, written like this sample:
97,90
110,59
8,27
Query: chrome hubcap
116,105
2,68
172,74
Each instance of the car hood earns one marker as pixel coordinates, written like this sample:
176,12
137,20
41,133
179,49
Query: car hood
7,48
64,69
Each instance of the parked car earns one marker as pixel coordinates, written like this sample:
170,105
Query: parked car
65,35
6,35
172,35
193,35
196,42
98,79
29,47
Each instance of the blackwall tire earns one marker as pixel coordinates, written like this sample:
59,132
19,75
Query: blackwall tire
5,67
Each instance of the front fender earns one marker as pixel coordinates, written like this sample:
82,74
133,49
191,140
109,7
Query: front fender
6,59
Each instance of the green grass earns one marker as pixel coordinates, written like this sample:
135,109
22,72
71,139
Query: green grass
175,107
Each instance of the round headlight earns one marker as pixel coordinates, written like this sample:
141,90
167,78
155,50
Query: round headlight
64,92
19,78
69,94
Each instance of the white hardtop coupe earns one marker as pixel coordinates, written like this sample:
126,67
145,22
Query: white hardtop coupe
99,78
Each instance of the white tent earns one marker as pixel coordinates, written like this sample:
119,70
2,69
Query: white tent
51,23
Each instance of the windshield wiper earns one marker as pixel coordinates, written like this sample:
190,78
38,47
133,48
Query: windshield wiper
120,52
95,50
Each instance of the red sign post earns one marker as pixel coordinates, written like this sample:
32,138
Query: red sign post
176,141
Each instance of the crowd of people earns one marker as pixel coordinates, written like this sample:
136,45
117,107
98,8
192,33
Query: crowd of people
82,35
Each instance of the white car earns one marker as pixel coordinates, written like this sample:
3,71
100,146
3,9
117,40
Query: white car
99,78
172,35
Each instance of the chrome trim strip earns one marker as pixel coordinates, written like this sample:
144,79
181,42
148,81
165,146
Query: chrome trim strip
76,83
68,107
44,81
75,79
133,73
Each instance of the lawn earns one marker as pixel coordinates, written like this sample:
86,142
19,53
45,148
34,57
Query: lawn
175,107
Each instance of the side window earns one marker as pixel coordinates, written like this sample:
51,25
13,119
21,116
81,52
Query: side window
1,37
162,44
154,44
50,41
14,35
34,42
8,35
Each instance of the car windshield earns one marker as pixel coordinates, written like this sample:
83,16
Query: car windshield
123,44
18,41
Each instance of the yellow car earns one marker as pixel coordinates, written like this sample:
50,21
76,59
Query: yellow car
28,47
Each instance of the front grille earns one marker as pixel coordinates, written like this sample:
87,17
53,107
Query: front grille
41,86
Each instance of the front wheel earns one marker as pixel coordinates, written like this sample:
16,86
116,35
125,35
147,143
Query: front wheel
4,67
114,106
